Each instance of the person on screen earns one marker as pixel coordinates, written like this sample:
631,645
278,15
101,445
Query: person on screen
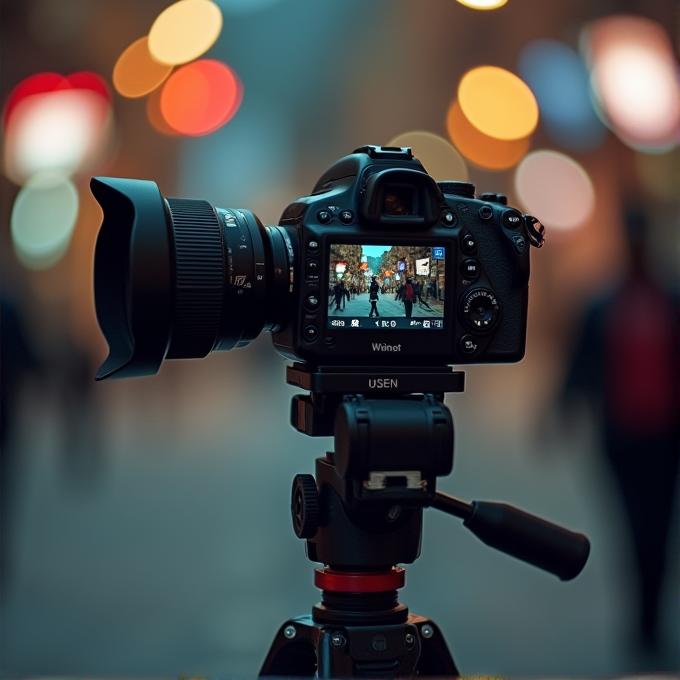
339,292
373,296
418,291
407,296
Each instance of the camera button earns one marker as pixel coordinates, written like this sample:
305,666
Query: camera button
486,212
346,216
312,302
511,219
310,333
468,244
313,246
468,345
470,269
324,216
449,218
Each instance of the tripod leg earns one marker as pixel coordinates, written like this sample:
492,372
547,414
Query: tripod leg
435,657
293,652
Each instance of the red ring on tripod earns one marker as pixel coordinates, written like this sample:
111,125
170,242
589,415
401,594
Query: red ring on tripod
360,581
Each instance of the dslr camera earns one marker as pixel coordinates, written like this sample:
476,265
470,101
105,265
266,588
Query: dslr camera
379,266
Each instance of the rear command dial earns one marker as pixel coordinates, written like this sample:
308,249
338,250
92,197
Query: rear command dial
480,309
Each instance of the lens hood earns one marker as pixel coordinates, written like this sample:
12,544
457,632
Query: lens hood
133,285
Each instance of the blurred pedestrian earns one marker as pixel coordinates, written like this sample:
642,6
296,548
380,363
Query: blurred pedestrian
627,361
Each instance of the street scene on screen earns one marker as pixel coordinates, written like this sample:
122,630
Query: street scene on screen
383,286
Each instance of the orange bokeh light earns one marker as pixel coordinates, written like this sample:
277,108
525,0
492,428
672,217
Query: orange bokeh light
498,103
200,97
153,113
480,149
136,72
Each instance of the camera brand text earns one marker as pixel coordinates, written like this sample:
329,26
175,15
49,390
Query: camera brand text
382,347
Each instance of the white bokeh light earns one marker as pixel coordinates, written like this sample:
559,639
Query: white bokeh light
64,131
43,218
639,92
556,189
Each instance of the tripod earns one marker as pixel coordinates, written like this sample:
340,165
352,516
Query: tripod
362,516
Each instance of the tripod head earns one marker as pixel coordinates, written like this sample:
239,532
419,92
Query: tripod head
362,517
393,438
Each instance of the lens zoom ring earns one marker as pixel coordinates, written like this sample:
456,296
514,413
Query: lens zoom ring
199,278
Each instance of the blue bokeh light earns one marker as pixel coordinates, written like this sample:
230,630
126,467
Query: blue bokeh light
560,82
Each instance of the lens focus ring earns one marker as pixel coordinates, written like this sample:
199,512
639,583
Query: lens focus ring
199,278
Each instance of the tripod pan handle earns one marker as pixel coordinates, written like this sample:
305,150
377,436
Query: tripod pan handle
529,538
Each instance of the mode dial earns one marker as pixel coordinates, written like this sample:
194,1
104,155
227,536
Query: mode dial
464,189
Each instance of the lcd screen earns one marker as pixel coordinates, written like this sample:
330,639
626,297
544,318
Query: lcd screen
386,287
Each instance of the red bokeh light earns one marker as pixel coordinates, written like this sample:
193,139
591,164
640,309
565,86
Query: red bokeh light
35,84
42,83
200,97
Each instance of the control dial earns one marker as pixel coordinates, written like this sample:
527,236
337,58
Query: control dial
465,189
480,309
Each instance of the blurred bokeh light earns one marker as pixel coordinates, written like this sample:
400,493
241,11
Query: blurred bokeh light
39,83
560,81
483,4
155,115
185,31
635,80
200,97
437,155
484,151
67,130
498,103
43,218
136,72
555,188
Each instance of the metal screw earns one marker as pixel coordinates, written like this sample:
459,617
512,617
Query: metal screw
337,640
409,639
427,631
290,632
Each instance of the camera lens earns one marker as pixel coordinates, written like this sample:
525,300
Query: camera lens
177,278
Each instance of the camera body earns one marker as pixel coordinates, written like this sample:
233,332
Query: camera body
467,261
378,266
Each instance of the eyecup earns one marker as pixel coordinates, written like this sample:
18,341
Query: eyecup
132,276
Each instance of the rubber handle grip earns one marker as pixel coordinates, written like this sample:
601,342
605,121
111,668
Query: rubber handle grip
529,538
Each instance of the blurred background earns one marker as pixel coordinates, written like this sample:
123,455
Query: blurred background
145,523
